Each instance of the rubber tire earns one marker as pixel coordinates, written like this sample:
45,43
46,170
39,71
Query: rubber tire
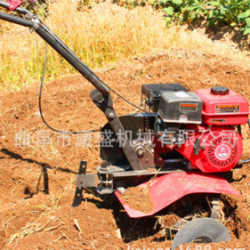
207,229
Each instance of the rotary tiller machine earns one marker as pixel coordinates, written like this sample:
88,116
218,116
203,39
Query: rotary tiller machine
182,148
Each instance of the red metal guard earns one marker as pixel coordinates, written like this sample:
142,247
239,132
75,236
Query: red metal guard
169,188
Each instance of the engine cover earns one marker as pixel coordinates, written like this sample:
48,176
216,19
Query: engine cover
216,150
223,108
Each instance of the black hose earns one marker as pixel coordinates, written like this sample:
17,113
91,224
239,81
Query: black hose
40,105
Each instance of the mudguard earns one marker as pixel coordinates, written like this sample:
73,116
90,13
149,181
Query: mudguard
168,188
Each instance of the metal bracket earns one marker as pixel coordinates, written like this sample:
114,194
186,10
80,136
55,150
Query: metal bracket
14,4
36,24
197,146
78,193
89,180
105,104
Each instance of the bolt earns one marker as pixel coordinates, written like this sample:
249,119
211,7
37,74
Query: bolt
140,152
111,115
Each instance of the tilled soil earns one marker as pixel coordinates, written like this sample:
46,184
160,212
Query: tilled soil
139,199
32,219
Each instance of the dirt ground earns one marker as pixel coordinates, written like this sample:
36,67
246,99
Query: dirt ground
32,219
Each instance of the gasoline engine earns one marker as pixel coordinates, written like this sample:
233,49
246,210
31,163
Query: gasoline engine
203,126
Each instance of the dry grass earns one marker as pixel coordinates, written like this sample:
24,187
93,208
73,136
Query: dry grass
101,35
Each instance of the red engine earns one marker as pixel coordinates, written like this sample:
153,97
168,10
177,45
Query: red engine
204,126
217,147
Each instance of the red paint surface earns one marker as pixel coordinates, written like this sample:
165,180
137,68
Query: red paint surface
169,188
14,4
211,111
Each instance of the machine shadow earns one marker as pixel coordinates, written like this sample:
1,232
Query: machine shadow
44,172
130,229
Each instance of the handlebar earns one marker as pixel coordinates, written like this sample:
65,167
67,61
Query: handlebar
105,104
44,32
